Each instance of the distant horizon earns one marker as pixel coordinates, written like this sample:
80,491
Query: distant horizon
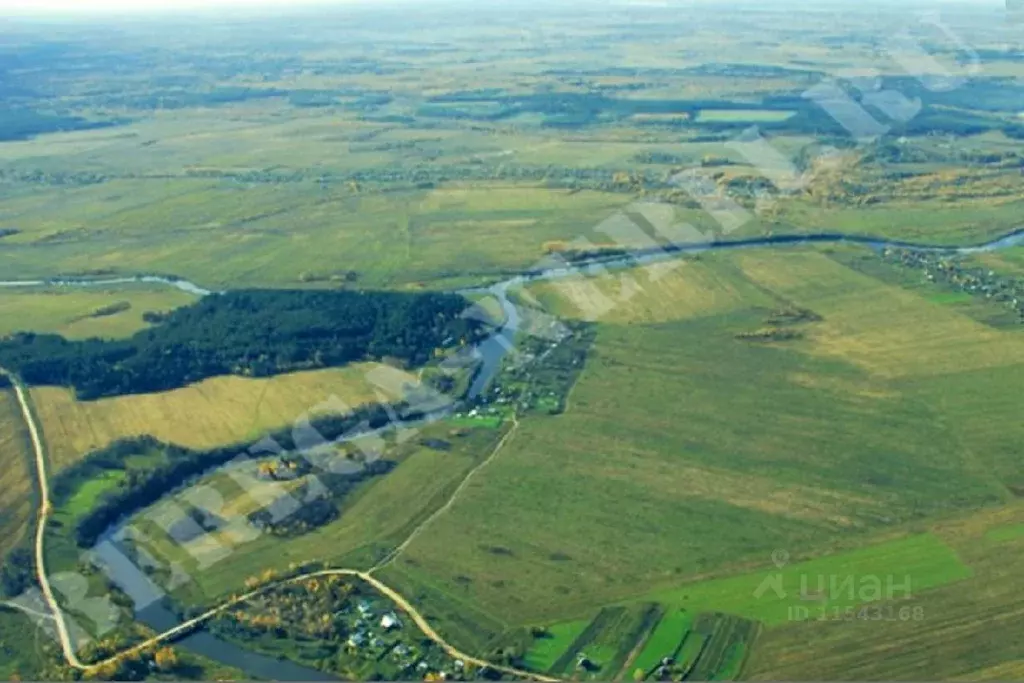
79,8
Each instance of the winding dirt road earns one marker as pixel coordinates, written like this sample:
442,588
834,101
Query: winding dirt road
57,614
63,635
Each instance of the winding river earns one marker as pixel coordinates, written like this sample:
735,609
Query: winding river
490,352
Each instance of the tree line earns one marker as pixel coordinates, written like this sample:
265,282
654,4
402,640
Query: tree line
255,333
178,466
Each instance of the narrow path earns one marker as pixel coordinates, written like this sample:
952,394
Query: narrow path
393,555
57,615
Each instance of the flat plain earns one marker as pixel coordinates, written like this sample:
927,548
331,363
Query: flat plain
860,427
823,405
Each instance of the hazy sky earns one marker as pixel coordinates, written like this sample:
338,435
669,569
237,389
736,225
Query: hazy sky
139,6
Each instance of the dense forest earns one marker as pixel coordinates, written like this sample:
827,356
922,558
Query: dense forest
22,123
254,333
574,110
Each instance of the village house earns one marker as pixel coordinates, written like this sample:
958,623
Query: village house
390,621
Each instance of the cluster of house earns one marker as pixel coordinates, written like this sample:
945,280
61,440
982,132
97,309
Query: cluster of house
363,635
988,284
377,637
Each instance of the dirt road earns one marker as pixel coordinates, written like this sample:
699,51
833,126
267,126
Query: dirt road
67,646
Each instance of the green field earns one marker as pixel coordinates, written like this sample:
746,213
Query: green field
965,629
607,642
21,645
1005,533
743,115
951,298
87,495
847,579
84,313
740,448
665,640
546,651
803,415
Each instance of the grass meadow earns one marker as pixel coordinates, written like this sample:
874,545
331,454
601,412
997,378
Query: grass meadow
879,434
231,236
215,412
912,564
545,651
743,115
891,410
81,314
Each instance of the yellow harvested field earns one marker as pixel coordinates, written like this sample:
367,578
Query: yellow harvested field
672,290
16,479
860,313
215,412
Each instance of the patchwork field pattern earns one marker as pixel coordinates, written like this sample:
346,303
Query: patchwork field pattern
374,518
645,642
968,630
854,430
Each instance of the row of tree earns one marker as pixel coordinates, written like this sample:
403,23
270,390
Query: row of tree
254,333
177,466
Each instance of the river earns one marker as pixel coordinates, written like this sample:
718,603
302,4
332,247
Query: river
150,610
490,352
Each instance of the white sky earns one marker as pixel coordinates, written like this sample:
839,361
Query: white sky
19,7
